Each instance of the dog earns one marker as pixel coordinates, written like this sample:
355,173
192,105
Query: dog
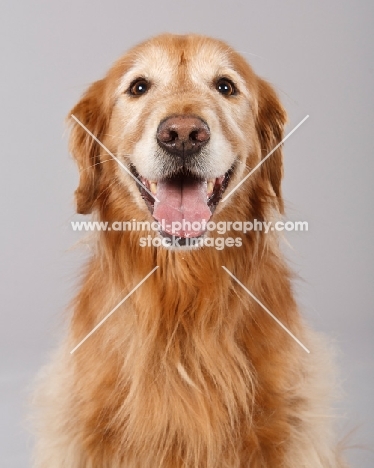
190,369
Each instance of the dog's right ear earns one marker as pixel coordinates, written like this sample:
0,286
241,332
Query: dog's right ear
91,112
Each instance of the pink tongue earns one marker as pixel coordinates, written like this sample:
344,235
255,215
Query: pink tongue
181,202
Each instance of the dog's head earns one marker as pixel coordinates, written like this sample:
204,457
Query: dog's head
188,118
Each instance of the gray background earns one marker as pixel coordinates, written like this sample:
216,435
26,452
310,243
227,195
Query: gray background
318,55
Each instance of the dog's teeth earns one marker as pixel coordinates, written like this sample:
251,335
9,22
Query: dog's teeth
153,186
210,186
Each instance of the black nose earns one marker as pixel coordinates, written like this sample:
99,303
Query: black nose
183,135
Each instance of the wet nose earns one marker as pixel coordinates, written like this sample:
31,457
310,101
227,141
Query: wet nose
183,135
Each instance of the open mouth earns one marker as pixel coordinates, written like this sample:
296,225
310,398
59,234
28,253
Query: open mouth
182,204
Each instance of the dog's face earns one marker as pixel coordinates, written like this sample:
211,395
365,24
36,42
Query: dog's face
188,118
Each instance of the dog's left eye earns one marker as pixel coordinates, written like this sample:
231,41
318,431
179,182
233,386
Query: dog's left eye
139,87
225,87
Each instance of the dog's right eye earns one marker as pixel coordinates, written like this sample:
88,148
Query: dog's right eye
139,87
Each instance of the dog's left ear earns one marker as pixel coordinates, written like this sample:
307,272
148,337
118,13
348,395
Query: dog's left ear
271,118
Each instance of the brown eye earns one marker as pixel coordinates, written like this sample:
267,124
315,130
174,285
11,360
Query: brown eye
139,87
225,87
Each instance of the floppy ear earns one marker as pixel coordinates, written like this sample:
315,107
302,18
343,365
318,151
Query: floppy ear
271,119
91,112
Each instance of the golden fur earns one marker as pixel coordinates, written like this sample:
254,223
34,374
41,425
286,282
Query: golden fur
190,371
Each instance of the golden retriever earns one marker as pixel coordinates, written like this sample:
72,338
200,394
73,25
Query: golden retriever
190,370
